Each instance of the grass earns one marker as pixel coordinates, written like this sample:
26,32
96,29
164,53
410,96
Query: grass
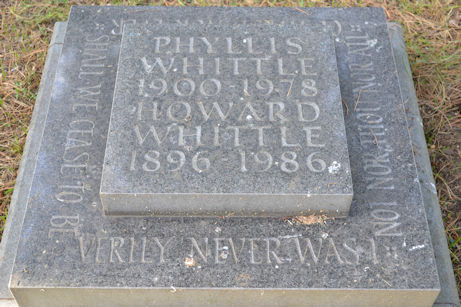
432,33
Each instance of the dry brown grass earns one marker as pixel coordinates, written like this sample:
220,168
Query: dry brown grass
433,36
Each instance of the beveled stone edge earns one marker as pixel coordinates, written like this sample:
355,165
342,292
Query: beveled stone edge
224,297
245,205
448,295
448,292
12,231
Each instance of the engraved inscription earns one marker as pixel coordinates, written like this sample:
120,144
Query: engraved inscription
225,122
371,126
188,98
80,133
284,250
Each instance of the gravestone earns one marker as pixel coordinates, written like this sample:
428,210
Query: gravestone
71,253
226,121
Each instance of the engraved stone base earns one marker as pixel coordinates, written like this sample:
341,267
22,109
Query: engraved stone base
71,254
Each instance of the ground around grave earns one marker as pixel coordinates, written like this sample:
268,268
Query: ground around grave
433,36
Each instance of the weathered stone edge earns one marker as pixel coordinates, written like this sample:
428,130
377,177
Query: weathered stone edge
448,292
11,233
223,297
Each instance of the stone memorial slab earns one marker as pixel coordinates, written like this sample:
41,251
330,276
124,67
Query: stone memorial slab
226,121
70,253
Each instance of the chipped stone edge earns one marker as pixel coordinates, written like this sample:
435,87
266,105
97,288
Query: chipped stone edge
448,292
11,233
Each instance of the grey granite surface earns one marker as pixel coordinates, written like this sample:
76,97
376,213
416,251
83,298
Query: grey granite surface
18,203
382,253
235,120
448,292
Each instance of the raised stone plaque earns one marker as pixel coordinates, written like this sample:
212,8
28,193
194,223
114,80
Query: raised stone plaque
227,121
71,254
